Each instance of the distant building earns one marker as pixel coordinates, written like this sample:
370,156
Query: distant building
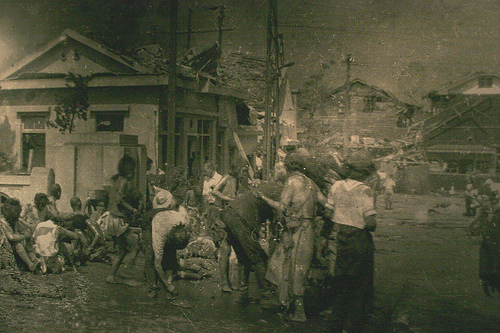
374,117
479,83
462,138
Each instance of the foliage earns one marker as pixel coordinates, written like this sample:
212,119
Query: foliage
72,103
315,90
6,162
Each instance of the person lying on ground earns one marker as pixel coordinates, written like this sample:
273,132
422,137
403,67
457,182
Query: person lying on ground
11,210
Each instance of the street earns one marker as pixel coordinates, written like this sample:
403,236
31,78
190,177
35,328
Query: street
426,280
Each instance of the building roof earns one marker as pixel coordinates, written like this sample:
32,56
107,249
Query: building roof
47,68
24,65
462,107
458,86
462,149
359,81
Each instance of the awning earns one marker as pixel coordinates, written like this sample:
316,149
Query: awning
461,149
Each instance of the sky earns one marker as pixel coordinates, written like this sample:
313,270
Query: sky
408,47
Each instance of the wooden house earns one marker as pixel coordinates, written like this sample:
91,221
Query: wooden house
370,116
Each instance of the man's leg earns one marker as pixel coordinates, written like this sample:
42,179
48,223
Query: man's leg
224,253
121,242
243,276
21,251
303,253
149,264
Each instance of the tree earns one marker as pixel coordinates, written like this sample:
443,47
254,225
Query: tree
72,103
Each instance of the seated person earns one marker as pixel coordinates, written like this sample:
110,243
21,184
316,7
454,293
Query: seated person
7,260
91,244
50,247
33,213
11,210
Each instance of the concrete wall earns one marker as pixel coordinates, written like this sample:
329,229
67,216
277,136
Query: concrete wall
24,187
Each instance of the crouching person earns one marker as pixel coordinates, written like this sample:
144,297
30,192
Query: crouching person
169,233
50,247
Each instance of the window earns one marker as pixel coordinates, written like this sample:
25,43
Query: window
33,141
485,82
110,122
369,102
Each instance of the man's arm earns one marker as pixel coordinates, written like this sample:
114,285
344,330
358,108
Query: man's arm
217,189
285,199
371,222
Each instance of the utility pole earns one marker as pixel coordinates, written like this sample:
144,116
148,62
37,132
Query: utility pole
188,38
172,78
220,19
347,102
272,74
278,60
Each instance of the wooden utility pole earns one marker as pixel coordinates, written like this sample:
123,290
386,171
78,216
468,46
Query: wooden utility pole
272,74
172,82
220,19
347,101
188,38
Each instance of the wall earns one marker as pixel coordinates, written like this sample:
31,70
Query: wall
24,187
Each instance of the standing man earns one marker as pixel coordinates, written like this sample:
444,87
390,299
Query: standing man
389,185
354,216
211,206
298,202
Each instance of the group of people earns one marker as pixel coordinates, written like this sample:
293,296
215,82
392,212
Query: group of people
294,204
232,210
40,238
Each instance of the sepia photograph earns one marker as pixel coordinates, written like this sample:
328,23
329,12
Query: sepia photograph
250,166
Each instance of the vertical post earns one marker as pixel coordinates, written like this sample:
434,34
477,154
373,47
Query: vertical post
188,38
172,78
221,22
347,102
268,100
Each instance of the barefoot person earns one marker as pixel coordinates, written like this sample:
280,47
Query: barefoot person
121,211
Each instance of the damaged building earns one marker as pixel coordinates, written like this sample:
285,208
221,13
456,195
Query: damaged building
127,112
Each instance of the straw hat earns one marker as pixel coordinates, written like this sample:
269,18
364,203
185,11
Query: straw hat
163,199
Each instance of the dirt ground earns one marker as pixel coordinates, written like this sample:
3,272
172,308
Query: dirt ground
426,280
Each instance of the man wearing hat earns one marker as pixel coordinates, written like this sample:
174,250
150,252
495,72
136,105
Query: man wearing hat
168,233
